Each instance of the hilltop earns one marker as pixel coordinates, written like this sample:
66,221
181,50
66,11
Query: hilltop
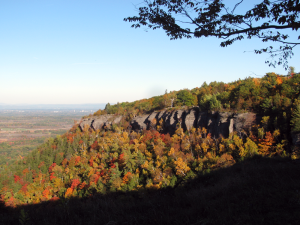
158,146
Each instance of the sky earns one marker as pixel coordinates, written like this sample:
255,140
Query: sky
81,51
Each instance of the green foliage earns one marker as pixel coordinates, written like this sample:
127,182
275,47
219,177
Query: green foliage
83,163
185,97
210,102
23,217
295,121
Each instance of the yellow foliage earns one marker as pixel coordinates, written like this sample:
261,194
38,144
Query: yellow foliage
171,152
204,147
181,167
239,143
125,135
145,165
276,133
91,172
221,148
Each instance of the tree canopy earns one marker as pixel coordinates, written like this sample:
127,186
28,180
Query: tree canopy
268,21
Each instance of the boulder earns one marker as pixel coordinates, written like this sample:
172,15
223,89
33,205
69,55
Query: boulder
139,122
86,122
101,121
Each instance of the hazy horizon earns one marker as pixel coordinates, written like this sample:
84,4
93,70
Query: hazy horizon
86,106
69,52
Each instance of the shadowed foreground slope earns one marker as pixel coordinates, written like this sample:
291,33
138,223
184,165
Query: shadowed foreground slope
255,191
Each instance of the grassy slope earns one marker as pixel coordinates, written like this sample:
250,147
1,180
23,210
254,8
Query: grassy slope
255,191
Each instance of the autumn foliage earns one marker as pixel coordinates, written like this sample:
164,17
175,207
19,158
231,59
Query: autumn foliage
84,162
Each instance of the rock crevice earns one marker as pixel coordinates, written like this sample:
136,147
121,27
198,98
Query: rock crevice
219,124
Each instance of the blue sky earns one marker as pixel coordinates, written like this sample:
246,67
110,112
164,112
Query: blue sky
75,52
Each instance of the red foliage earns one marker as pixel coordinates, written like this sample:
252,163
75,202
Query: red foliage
77,160
82,185
156,135
121,159
94,145
52,176
102,172
41,164
10,202
51,167
54,198
70,138
94,178
75,183
166,139
24,188
111,164
91,161
147,136
16,178
80,142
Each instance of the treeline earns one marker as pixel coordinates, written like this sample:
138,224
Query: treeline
84,162
273,95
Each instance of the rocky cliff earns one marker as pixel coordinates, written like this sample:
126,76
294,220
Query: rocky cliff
217,123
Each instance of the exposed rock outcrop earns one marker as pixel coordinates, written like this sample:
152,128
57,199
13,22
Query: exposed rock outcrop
98,122
217,123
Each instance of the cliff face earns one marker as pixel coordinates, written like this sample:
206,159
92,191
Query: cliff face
98,122
216,123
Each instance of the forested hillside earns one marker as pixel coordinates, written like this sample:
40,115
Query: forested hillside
84,162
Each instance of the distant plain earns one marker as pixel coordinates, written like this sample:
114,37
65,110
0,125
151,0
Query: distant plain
23,129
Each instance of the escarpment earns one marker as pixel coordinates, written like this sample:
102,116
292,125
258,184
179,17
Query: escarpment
99,122
217,123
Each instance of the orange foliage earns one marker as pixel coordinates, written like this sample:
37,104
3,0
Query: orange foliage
82,185
126,178
68,192
77,160
24,188
46,193
278,80
94,145
265,145
64,162
25,171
